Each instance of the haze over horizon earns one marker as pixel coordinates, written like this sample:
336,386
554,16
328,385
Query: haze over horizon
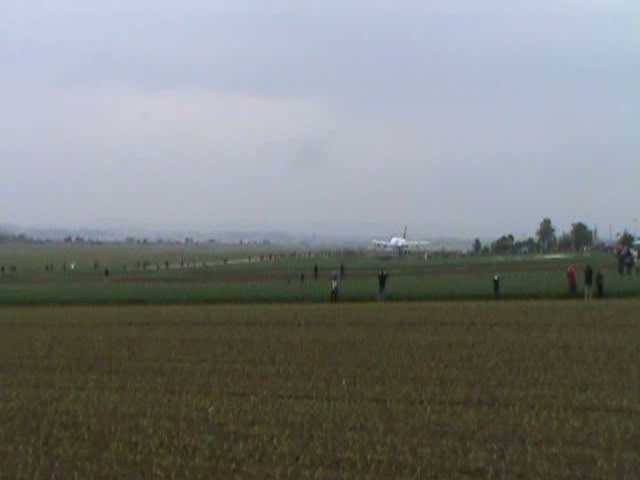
462,120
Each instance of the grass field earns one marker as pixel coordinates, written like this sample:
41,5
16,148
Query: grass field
439,390
251,276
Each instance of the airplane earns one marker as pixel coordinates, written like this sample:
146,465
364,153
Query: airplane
400,244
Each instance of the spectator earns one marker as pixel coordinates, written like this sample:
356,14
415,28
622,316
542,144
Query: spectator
599,284
588,282
496,285
382,285
334,287
301,278
315,272
571,275
628,262
342,271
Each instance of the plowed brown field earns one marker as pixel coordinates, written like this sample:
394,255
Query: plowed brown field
439,390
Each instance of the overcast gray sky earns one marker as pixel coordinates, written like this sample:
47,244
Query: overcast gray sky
462,118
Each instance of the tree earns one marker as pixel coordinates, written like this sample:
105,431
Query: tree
504,244
565,242
525,246
477,246
626,239
581,236
546,235
531,244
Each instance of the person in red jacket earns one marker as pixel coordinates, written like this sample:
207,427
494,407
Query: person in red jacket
571,276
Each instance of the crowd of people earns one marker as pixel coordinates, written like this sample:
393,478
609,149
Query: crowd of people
588,282
572,276
593,282
627,259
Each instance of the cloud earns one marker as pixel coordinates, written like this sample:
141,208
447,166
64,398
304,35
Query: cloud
474,116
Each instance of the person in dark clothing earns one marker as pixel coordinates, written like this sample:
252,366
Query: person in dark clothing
301,278
315,271
496,285
106,274
382,285
588,282
599,284
342,271
628,262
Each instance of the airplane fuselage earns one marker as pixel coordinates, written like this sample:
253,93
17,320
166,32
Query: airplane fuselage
397,242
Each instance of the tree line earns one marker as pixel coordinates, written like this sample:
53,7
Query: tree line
546,241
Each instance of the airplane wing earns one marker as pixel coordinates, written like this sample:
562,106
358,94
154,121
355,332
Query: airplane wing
380,243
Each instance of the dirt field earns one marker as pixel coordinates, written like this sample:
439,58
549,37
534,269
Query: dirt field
440,390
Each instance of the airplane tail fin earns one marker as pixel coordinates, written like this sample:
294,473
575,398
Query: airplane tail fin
404,234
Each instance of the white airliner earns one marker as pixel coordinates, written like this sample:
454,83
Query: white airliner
400,244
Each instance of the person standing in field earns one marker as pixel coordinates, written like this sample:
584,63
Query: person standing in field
588,282
629,262
301,278
342,271
571,276
334,287
496,285
315,272
599,284
382,285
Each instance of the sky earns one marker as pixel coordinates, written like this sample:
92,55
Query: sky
458,118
